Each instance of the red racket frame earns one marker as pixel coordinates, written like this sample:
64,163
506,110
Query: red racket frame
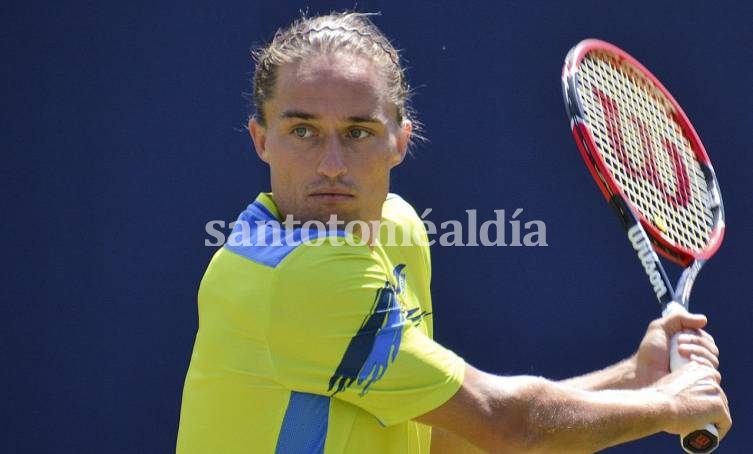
603,176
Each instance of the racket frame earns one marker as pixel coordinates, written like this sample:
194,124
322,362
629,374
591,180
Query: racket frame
608,184
647,240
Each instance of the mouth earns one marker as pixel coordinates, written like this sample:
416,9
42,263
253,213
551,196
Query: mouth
332,195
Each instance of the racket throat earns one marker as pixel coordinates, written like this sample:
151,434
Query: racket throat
649,260
641,244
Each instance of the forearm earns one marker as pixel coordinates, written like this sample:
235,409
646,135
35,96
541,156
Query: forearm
522,415
533,415
559,418
617,376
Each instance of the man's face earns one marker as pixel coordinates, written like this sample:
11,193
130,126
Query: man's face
331,138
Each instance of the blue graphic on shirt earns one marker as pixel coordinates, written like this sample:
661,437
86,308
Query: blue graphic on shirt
415,315
377,343
399,274
386,344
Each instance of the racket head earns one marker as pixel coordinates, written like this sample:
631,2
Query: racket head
641,147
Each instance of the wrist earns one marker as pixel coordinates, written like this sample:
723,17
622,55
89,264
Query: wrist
664,409
631,374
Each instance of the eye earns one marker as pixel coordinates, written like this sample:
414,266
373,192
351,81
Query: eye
358,133
302,132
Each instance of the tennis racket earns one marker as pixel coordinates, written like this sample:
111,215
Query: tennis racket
651,166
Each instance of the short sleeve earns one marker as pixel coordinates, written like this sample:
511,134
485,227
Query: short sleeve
339,327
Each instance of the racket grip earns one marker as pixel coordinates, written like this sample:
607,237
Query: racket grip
699,441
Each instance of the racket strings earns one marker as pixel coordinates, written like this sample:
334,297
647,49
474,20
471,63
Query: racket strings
646,150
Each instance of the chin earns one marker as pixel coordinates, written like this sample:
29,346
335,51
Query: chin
343,218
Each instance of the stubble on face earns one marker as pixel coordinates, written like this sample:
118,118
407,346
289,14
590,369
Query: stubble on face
331,99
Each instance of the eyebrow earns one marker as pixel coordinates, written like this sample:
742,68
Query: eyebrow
299,114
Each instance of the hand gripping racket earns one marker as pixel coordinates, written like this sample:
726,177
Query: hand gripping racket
651,166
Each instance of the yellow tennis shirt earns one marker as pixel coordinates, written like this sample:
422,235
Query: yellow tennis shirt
306,348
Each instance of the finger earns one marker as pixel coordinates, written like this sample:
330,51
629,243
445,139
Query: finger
708,338
705,333
724,423
691,351
694,338
676,321
703,372
726,401
703,360
692,321
715,375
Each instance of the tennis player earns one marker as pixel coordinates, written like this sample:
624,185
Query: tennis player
325,345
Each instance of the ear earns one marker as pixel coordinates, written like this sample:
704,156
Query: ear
259,137
403,140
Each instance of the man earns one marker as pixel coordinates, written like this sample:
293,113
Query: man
326,345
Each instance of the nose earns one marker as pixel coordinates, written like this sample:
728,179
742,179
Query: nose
332,163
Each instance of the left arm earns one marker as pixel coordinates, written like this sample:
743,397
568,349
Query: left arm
617,376
651,361
649,364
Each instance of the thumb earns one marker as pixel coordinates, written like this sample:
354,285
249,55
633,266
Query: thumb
680,320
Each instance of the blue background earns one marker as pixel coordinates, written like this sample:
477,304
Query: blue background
122,136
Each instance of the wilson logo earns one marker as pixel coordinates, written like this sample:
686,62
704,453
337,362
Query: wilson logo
648,259
679,195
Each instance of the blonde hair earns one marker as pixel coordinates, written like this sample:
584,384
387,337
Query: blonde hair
337,32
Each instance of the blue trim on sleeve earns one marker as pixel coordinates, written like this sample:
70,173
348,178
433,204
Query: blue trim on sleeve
304,427
259,236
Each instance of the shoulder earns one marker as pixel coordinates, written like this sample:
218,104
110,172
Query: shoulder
403,226
397,209
327,286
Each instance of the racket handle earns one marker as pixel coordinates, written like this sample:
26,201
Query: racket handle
699,441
